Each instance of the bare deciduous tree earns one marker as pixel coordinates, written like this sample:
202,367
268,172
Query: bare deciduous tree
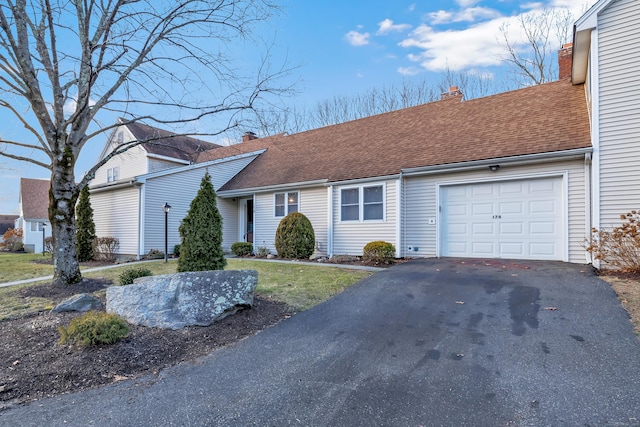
532,58
68,65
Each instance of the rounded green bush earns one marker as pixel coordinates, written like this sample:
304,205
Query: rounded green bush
94,327
379,252
128,276
295,237
242,248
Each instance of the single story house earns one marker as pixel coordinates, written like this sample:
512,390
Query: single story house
523,174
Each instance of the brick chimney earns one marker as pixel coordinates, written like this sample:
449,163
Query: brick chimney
248,136
565,61
453,92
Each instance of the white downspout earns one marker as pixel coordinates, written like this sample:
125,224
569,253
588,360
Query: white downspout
330,221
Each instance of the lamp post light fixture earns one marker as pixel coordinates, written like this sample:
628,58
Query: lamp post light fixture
166,208
44,227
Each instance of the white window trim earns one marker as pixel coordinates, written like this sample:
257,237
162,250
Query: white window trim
361,203
286,204
113,174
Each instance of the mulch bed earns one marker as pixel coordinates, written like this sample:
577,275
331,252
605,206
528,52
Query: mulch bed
34,366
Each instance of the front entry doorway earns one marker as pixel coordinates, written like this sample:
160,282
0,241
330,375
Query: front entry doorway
246,209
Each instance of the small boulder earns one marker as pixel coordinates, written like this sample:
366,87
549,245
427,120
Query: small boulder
174,301
80,302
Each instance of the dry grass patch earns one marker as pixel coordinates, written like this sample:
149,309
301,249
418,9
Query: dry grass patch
628,290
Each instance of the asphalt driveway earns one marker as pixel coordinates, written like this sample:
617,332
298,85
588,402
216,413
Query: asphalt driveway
428,343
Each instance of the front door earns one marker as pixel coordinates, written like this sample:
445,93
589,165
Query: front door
246,208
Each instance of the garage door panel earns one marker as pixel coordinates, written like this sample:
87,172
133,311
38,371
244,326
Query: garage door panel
482,190
520,219
483,228
512,250
511,228
542,207
483,248
511,208
514,187
542,228
482,209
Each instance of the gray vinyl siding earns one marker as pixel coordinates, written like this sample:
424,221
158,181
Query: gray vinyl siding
179,189
419,194
312,203
156,165
619,107
115,214
350,237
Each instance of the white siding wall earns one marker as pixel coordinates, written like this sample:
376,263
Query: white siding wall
115,214
179,189
32,240
420,204
132,163
349,238
619,107
156,165
312,203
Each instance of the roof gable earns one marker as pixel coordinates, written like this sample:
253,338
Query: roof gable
34,196
538,119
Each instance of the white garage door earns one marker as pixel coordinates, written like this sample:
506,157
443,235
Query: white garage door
509,219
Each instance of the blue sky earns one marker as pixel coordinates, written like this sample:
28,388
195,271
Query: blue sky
344,48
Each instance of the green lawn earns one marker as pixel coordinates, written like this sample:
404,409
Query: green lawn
14,266
299,286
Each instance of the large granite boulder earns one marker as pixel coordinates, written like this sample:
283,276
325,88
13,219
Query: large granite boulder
174,301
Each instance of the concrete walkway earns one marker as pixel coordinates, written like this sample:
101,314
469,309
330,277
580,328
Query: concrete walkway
426,343
107,267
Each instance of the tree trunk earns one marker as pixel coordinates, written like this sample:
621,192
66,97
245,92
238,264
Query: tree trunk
62,201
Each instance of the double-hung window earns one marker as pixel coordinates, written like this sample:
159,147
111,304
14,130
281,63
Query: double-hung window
286,203
365,203
113,174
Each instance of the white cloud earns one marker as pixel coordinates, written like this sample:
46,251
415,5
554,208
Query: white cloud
477,45
409,71
71,104
387,26
441,17
466,3
357,39
471,14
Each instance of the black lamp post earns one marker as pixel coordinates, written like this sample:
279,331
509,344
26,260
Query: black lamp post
166,208
44,227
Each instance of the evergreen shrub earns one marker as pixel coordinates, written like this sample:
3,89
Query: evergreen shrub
93,328
295,237
242,248
128,276
379,252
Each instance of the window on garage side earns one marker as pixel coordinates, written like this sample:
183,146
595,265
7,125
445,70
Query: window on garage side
286,203
350,204
372,203
365,203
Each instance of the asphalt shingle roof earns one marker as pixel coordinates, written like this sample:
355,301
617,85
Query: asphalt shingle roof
538,119
164,144
34,195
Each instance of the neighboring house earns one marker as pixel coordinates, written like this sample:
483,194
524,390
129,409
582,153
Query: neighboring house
607,60
524,174
34,216
7,222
